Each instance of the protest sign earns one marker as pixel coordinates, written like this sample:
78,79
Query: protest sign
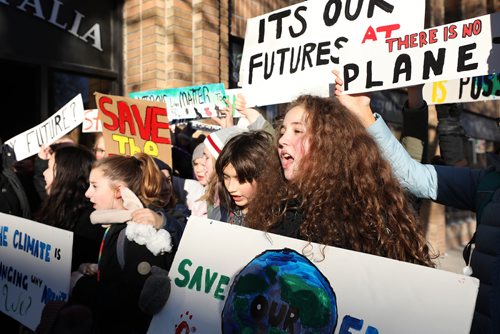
188,102
231,95
292,51
91,122
459,50
35,267
130,126
475,89
248,280
63,121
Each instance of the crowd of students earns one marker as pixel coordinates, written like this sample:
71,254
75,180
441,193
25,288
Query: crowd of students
330,172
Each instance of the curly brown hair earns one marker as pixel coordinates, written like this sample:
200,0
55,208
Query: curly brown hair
345,189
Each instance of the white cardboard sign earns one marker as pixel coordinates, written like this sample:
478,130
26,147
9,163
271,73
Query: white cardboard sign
459,50
63,121
231,279
475,89
291,51
91,121
35,267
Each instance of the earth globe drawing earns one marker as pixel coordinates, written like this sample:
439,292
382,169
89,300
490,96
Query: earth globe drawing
280,291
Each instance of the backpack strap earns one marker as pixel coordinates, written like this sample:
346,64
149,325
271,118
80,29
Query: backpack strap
484,193
120,248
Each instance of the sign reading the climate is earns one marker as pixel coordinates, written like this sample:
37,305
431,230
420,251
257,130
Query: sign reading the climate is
35,267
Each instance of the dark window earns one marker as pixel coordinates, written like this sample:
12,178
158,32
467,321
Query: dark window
235,52
20,98
65,85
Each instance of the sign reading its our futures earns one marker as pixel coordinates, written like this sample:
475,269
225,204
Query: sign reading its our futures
291,51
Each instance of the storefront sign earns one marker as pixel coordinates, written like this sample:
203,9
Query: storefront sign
54,15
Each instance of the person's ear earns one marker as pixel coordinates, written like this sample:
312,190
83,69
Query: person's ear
118,192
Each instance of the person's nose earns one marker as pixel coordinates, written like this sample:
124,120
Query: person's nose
283,140
231,186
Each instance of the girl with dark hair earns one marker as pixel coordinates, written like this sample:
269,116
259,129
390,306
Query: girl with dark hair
334,188
238,168
66,206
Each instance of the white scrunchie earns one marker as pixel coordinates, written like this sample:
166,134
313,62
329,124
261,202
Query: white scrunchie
156,241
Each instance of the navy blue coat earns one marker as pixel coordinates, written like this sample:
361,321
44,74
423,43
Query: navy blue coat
457,187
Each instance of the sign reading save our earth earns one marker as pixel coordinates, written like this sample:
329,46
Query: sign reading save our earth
249,281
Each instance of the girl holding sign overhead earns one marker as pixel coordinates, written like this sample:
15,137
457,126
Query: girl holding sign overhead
473,189
334,187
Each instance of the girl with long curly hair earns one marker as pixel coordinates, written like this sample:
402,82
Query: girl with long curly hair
334,188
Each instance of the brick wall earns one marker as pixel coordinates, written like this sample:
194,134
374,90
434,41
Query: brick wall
176,43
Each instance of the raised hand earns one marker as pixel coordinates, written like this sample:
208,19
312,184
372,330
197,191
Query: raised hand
226,120
358,104
251,114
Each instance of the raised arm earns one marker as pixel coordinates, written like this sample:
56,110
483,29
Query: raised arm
255,119
418,179
414,136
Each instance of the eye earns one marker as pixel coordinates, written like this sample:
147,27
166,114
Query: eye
299,129
282,131
226,177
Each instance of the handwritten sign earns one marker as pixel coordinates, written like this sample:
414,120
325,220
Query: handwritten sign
130,126
188,102
35,267
248,280
459,50
231,95
63,121
292,51
91,122
475,89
